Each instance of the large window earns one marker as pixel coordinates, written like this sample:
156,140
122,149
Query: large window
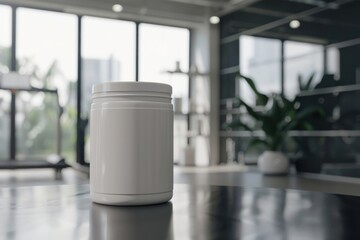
301,61
333,61
5,38
163,50
5,58
108,54
46,49
260,59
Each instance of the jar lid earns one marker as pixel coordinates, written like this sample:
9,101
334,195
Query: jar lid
131,87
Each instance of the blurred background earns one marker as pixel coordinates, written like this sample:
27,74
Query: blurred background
308,50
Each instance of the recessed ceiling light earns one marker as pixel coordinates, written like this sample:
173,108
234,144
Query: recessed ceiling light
294,24
117,8
214,19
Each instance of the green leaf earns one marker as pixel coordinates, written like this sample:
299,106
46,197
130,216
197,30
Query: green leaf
261,99
256,141
277,140
307,126
298,120
256,115
302,114
269,126
275,112
238,125
250,82
290,125
300,81
237,103
289,105
308,84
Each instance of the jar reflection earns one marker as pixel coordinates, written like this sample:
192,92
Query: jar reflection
145,222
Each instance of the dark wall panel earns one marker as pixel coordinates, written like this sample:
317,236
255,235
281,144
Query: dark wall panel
229,55
228,86
350,64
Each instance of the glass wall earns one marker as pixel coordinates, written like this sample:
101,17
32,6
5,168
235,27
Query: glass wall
108,54
333,61
5,38
47,50
5,58
260,59
302,60
263,60
162,50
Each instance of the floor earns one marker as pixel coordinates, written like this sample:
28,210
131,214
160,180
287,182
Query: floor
234,175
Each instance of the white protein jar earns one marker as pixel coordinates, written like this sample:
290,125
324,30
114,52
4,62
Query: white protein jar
131,149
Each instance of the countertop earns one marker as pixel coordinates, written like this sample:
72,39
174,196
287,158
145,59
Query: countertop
195,212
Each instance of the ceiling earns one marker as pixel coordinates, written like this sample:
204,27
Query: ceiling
193,11
325,22
322,21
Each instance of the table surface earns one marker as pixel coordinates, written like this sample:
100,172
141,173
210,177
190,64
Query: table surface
195,212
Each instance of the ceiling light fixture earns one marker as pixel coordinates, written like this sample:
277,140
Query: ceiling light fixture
117,8
214,19
294,24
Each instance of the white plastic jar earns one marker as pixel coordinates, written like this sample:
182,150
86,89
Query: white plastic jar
131,149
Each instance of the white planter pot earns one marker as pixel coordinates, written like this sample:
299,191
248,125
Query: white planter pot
273,163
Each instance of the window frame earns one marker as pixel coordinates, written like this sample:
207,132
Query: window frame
283,58
80,133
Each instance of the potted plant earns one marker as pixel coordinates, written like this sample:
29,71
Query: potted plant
275,115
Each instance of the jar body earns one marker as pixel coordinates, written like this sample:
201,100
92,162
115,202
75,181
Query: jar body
131,151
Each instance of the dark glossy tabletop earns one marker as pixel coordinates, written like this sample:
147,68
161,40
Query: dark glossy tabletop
213,212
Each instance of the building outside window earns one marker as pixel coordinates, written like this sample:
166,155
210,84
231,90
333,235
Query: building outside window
302,60
46,49
260,59
108,54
